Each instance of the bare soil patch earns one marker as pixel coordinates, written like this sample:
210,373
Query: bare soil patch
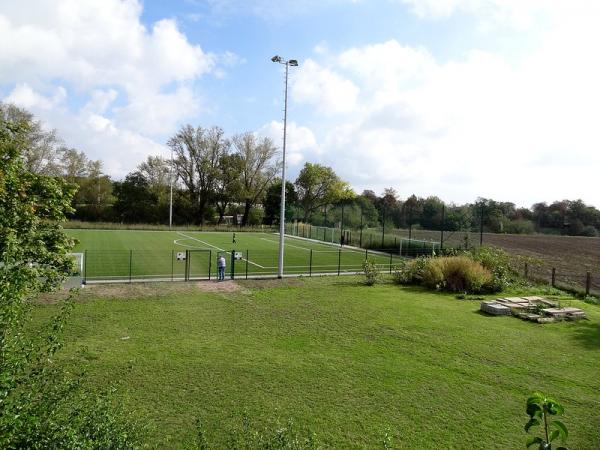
219,286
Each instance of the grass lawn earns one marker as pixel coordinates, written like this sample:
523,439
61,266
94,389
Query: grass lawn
119,254
342,359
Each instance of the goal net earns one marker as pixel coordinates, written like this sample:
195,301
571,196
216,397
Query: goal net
417,247
79,261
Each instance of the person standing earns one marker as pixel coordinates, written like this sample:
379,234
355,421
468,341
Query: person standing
234,237
221,263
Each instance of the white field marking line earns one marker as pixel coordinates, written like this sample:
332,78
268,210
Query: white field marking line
202,242
214,246
176,242
255,264
287,245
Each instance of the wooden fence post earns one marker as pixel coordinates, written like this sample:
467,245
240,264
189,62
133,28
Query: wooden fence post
588,283
554,277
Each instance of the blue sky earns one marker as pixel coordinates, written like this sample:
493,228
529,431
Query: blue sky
455,98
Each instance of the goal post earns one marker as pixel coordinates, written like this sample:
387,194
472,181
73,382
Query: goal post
79,259
418,247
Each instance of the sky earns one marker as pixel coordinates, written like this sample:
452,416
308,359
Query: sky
454,98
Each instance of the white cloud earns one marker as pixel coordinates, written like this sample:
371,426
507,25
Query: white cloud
324,89
482,125
135,82
26,97
301,143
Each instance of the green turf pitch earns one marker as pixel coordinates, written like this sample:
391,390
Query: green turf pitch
121,254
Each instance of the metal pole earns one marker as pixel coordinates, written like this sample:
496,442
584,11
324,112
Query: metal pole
247,252
339,261
209,263
171,194
130,258
391,262
85,267
310,263
232,264
410,223
553,277
342,226
361,227
282,212
172,263
383,227
481,226
443,223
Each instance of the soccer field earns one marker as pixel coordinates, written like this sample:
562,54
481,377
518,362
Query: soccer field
133,255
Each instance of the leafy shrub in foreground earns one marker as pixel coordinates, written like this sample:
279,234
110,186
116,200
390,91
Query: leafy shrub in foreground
539,409
498,262
410,272
371,272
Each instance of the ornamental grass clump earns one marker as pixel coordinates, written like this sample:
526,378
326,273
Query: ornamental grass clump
456,274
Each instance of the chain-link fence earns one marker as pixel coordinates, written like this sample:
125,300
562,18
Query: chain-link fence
573,260
189,265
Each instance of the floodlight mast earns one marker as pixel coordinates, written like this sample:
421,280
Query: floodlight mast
171,193
287,63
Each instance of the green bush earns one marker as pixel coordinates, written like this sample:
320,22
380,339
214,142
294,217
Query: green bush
498,262
371,272
410,272
463,274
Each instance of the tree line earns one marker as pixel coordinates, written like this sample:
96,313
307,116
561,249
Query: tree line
217,179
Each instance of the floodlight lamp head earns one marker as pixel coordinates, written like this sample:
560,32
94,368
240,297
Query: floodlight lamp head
276,59
293,62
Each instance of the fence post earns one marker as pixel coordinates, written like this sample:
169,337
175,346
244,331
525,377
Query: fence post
209,263
366,254
130,263
339,260
172,263
186,274
526,271
310,264
233,264
247,258
391,262
442,227
554,277
588,283
85,267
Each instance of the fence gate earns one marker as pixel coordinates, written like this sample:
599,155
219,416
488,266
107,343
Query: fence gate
197,264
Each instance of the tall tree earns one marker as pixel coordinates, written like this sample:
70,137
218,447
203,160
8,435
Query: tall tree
273,202
156,170
40,154
74,164
318,186
259,167
135,201
197,155
229,183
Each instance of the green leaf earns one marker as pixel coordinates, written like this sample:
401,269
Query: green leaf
534,410
555,408
553,435
532,423
562,429
536,398
534,440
